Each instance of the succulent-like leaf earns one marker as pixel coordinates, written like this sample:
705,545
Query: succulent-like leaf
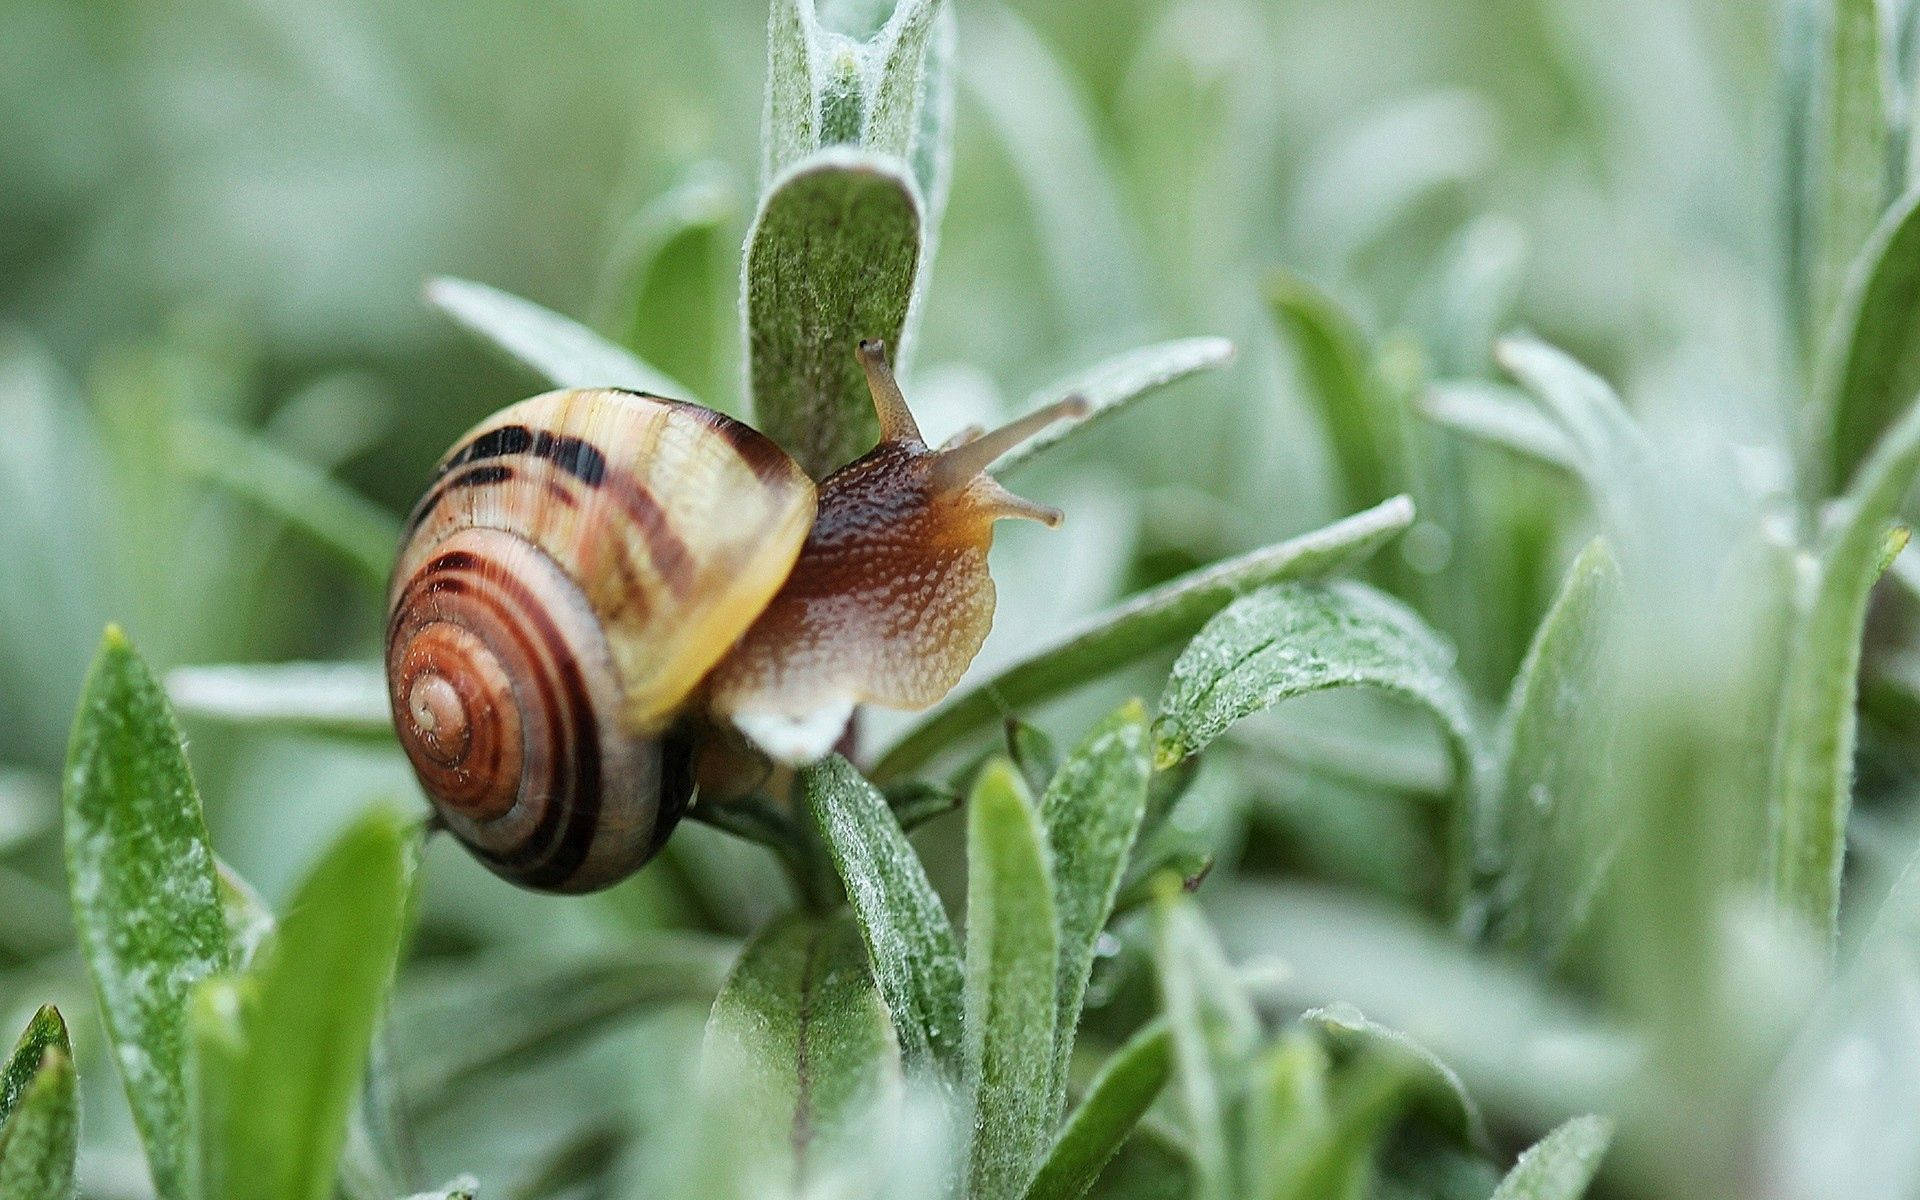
39,1138
344,699
1117,382
1544,822
558,349
1496,414
283,1052
1149,621
831,260
1091,811
1012,969
1869,364
1812,781
800,1042
145,900
1560,1165
47,1031
1127,1085
1347,1026
916,958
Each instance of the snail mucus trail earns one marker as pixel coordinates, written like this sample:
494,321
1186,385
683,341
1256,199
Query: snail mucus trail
607,599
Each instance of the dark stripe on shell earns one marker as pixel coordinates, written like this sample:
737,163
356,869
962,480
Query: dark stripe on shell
667,551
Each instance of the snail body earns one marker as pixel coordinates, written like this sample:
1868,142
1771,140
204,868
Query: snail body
607,597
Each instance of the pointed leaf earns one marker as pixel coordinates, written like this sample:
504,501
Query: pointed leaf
1500,415
1112,385
1870,361
791,129
1150,621
673,298
1548,829
1013,949
915,956
898,86
800,1042
344,699
38,1140
1560,1165
145,900
1346,1025
830,261
1363,419
1118,1097
1608,448
279,1077
1814,744
1091,812
558,349
47,1031
1849,145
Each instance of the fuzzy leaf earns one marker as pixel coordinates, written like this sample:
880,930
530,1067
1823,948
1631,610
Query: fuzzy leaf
47,1031
1497,414
282,1052
335,516
1091,812
898,85
915,956
1848,170
145,900
1812,779
792,122
1560,1165
1112,385
1363,421
1346,1025
830,261
1013,964
1127,1085
1870,362
1150,621
1294,638
345,699
1546,825
800,1042
1608,448
39,1138
558,349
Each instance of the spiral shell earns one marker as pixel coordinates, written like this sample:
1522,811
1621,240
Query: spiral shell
582,561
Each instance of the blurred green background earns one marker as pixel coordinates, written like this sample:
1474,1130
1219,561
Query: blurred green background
221,214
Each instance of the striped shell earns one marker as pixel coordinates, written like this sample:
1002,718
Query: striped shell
581,562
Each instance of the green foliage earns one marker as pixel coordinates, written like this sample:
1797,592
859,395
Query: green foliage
1118,1097
39,1134
1869,365
1560,1165
558,350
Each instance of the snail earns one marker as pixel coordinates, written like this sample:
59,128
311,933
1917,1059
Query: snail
607,599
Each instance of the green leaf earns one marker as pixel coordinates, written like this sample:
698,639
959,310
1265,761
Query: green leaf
1363,420
144,897
558,349
672,298
916,958
1112,385
1289,1112
1548,830
1013,965
1497,414
1869,364
1849,144
1348,1027
1560,1165
342,699
1812,778
791,127
250,923
282,1052
1091,812
335,516
47,1031
1293,638
504,1011
831,260
1608,448
1150,621
1033,755
897,88
38,1139
799,1044
1115,1101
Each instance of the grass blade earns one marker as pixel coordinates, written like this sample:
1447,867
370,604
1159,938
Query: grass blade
1115,1101
47,1031
1091,811
1114,384
1154,619
1870,361
831,260
558,349
916,958
274,1100
800,1046
344,699
1814,743
1560,1165
145,900
39,1138
1013,954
